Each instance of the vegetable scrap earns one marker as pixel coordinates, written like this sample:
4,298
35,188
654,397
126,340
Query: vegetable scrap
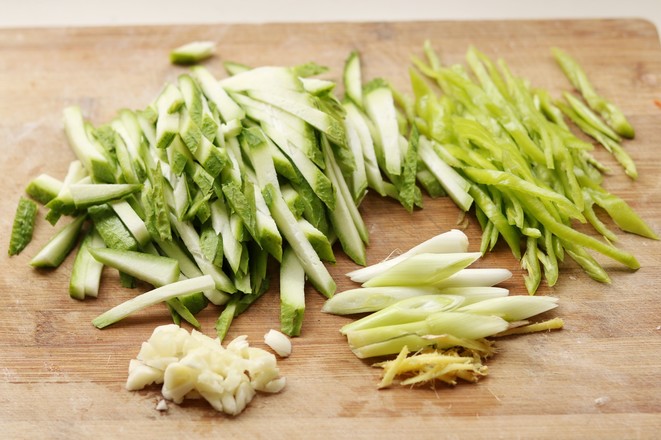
23,226
193,52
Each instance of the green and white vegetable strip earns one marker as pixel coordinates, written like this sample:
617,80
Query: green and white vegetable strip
470,277
423,269
132,221
404,311
372,299
23,226
86,272
380,107
292,294
345,218
193,52
93,158
63,204
453,241
352,79
160,294
153,269
474,293
44,188
452,182
85,195
59,246
512,308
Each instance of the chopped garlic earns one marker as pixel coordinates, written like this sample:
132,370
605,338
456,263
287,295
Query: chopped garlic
279,342
193,365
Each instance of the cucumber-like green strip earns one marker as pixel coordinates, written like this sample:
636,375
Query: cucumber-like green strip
96,163
292,293
85,195
226,317
59,246
192,53
153,269
228,109
23,226
268,181
352,79
44,188
152,297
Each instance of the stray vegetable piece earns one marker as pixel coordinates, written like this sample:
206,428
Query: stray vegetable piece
21,232
193,364
193,53
279,342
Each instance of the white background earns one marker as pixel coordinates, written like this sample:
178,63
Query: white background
39,13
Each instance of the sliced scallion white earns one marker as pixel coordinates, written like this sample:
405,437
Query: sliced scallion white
423,269
448,242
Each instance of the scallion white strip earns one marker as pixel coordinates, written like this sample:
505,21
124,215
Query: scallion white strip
452,241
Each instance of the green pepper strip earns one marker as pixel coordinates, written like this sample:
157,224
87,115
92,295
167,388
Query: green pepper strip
587,262
536,209
490,209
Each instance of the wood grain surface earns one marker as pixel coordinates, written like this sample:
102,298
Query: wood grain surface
62,378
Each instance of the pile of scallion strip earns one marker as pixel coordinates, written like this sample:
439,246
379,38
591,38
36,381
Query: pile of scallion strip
217,177
428,304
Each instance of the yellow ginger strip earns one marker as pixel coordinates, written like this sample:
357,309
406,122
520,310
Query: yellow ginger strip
482,346
551,324
428,366
393,368
446,374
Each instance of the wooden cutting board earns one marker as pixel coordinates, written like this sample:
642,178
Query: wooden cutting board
62,378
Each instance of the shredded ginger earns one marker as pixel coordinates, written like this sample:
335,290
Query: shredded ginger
193,365
428,366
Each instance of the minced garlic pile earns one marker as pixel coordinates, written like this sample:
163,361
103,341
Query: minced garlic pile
193,365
